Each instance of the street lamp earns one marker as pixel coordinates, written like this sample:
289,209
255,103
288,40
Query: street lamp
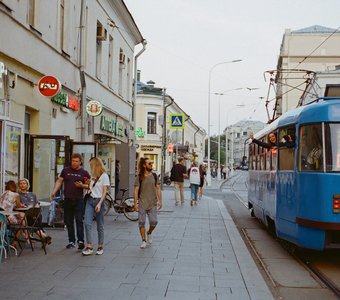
212,68
219,130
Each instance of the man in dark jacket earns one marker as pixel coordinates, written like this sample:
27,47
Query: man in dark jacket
178,173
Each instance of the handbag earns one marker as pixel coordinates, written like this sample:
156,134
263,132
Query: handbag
88,194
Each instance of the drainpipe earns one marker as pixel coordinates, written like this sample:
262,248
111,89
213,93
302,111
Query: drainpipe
82,70
134,96
164,139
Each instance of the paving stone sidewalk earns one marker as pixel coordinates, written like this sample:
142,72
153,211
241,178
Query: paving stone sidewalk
197,253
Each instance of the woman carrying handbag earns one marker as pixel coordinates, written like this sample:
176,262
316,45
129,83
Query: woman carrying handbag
95,204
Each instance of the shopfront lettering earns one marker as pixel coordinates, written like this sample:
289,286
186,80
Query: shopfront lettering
66,101
112,126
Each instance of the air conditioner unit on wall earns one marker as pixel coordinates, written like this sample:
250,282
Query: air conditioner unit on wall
101,33
122,58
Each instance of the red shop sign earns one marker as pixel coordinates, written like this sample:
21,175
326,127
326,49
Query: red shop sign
49,86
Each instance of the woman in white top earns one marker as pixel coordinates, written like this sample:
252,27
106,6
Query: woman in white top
194,177
95,204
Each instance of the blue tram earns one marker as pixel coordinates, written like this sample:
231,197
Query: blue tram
294,183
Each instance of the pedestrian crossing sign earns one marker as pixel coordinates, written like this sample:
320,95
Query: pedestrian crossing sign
177,121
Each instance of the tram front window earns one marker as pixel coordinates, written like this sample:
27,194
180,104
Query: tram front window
310,148
332,140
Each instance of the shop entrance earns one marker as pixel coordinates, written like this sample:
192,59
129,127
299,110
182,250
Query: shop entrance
48,156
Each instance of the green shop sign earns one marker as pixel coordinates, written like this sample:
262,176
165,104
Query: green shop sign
111,126
65,100
140,132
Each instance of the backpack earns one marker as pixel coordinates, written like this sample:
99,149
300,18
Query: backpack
140,183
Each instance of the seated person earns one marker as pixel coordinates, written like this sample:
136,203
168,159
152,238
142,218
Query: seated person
29,199
10,200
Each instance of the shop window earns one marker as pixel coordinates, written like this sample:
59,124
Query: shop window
152,123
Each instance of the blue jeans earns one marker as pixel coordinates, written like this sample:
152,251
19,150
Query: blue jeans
74,209
194,190
91,204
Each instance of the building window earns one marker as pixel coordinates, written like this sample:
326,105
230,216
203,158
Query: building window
121,69
128,81
110,64
31,9
152,123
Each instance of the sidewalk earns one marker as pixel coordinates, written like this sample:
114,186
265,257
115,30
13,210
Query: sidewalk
197,253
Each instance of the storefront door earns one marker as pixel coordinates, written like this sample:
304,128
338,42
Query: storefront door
49,155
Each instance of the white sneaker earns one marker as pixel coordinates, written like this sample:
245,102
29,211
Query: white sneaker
149,238
143,245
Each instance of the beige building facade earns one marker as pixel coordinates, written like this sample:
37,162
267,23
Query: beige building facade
314,49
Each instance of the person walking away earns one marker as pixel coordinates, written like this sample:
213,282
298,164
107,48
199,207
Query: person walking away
98,187
178,172
224,172
29,199
203,175
73,178
194,177
147,199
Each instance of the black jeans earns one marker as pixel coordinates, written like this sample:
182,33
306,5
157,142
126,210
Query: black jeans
74,209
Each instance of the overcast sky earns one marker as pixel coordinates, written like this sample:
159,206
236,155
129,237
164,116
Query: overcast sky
186,38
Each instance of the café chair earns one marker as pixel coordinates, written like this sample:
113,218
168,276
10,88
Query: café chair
4,242
3,226
32,216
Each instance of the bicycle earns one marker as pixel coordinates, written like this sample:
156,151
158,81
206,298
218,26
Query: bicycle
123,205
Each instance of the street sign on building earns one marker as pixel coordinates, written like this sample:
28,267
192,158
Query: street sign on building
177,121
49,86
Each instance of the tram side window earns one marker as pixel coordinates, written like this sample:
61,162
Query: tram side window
287,148
251,156
274,159
310,148
268,159
262,158
332,140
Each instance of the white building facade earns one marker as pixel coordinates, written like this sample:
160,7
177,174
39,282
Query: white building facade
89,47
237,136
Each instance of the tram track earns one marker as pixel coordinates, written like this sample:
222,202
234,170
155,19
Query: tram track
323,266
317,263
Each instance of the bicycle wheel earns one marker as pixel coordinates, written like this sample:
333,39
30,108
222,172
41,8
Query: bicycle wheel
107,204
128,209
